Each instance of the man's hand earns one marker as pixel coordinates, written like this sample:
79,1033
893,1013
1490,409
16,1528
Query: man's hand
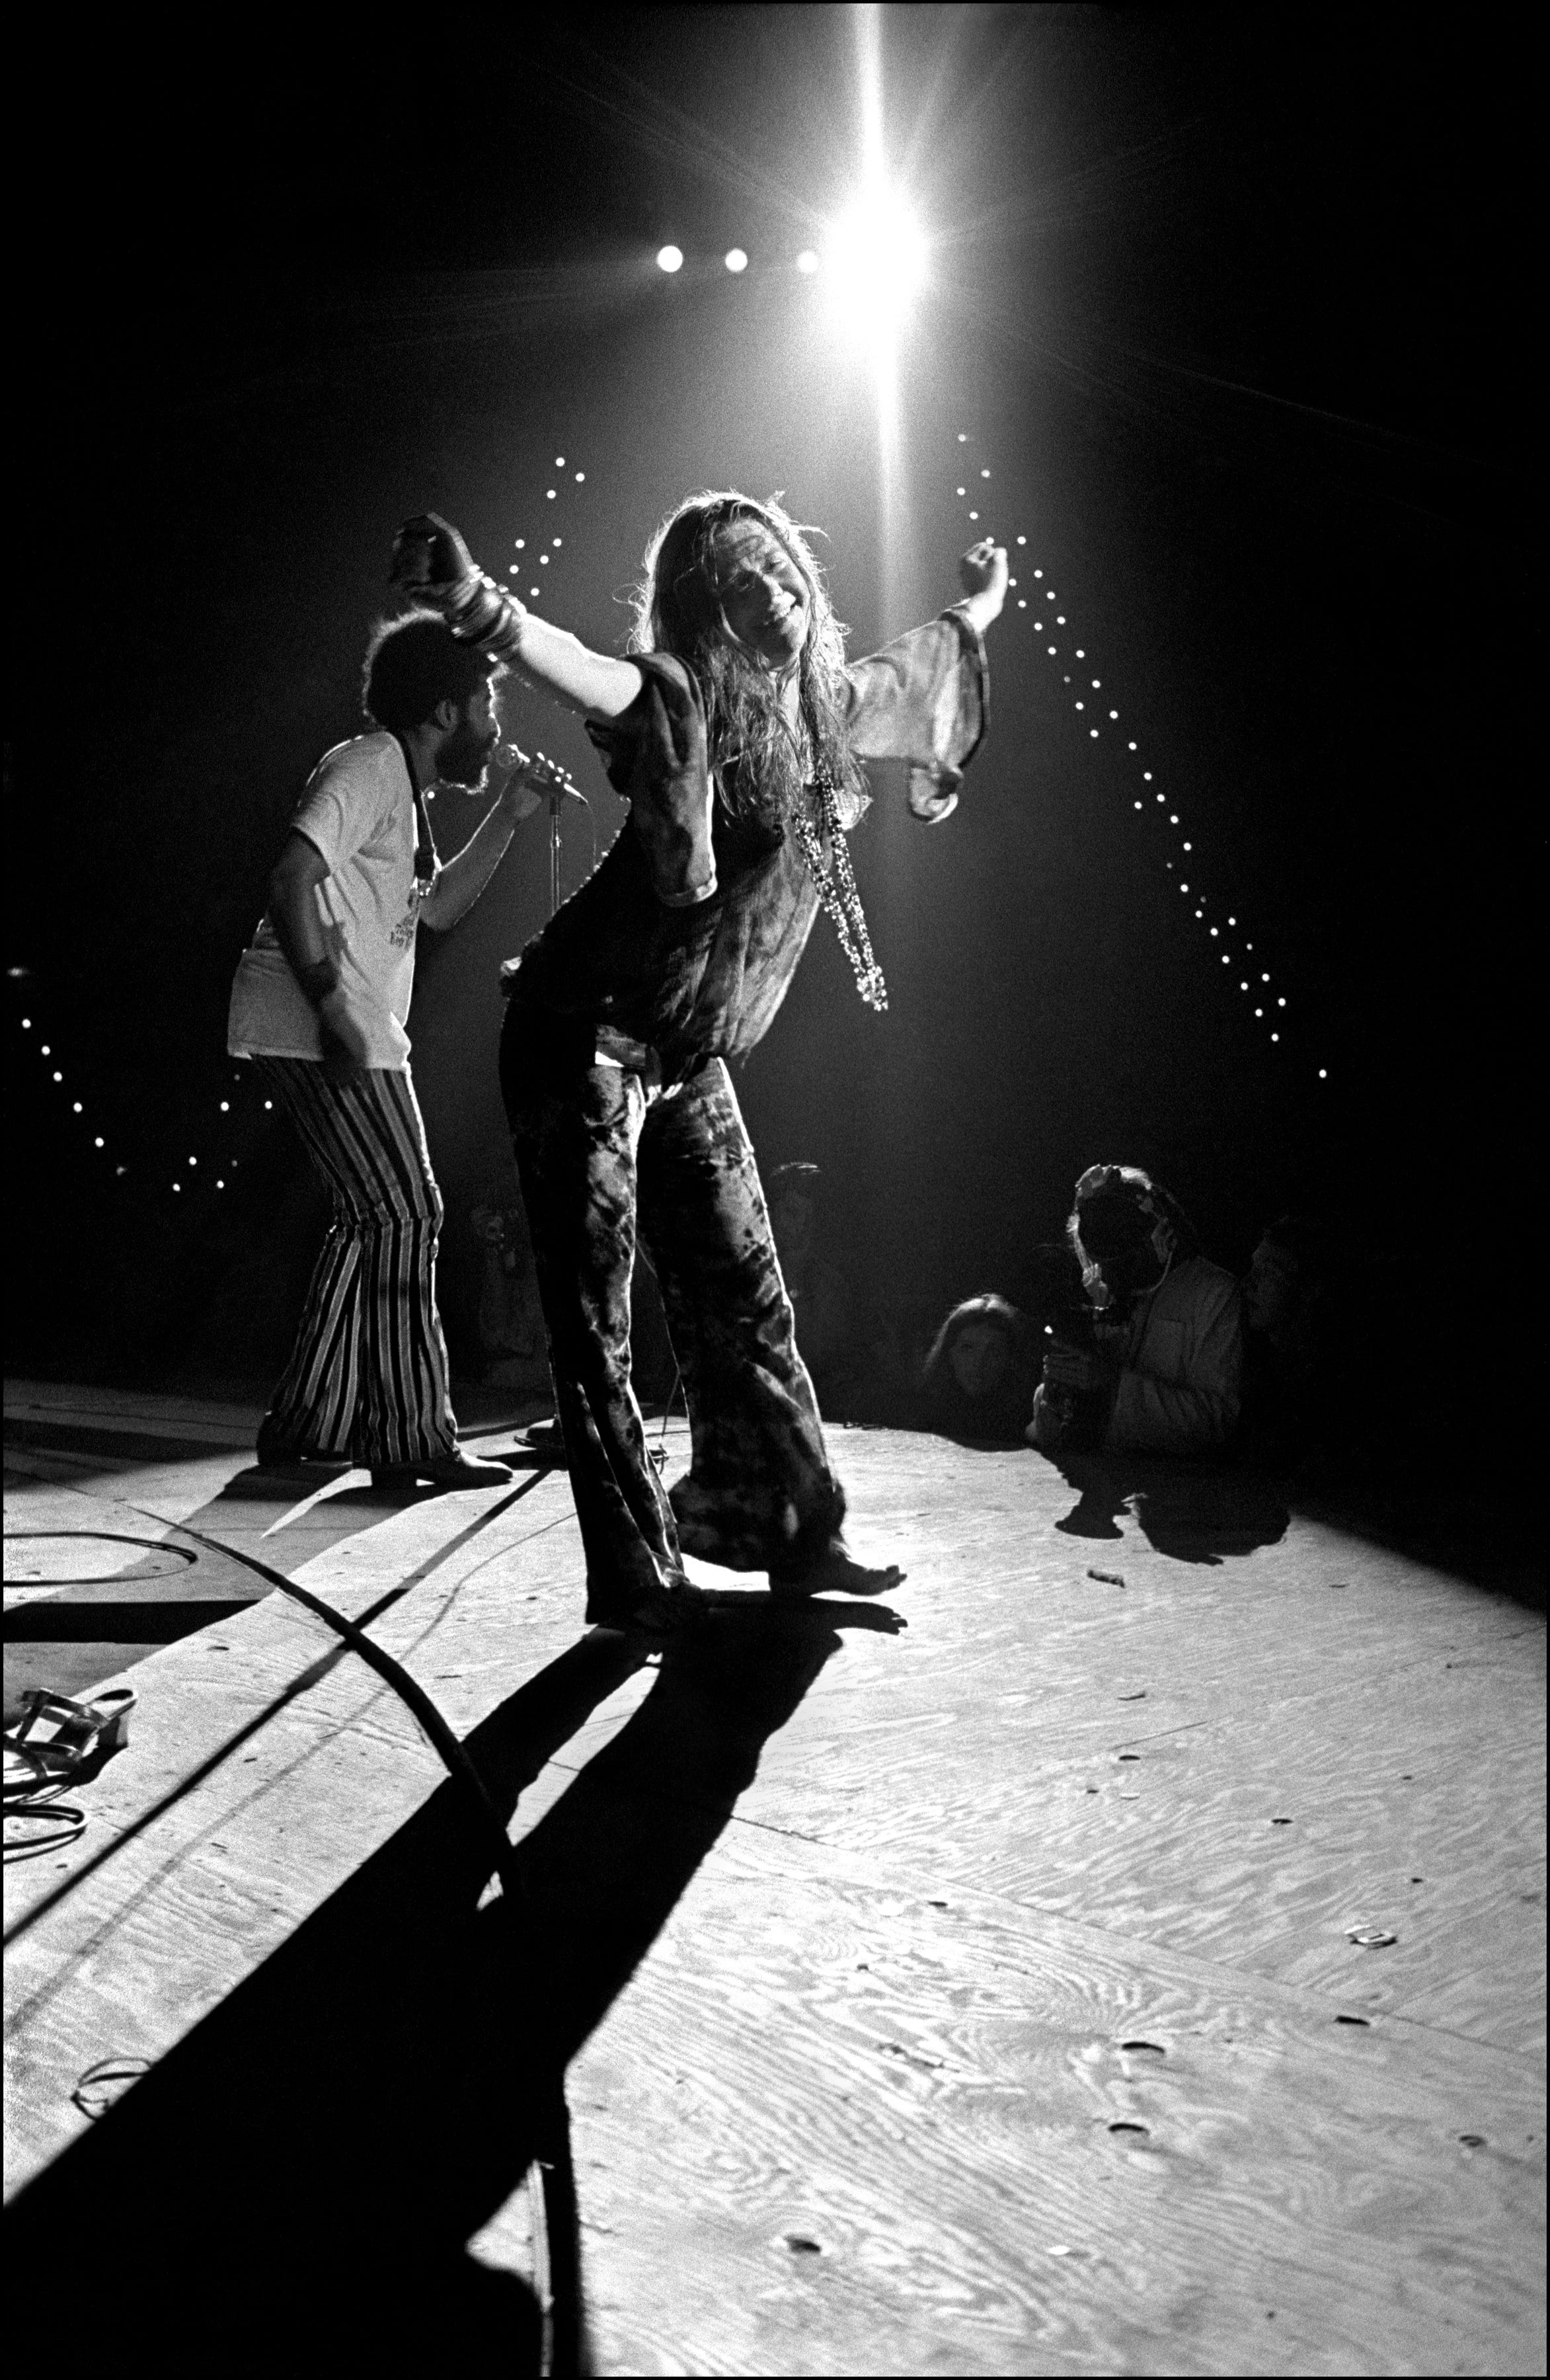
429,558
1051,1419
982,574
523,792
346,1052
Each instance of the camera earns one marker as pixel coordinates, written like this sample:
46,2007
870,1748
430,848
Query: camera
1080,1414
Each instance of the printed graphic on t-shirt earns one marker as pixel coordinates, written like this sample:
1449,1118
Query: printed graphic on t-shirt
359,812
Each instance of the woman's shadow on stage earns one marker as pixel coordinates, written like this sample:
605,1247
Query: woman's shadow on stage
1193,1511
307,2167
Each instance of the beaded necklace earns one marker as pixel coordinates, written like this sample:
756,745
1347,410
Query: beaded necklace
836,885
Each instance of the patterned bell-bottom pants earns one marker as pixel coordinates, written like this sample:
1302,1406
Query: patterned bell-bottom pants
595,1150
368,1375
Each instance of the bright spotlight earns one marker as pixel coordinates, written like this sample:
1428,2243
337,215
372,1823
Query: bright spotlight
671,259
876,257
736,260
808,261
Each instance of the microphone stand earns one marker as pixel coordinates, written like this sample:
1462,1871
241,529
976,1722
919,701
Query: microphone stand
550,778
556,796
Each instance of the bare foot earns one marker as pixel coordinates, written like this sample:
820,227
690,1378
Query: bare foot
835,1573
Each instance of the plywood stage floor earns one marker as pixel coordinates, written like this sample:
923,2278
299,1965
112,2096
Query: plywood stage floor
1121,1950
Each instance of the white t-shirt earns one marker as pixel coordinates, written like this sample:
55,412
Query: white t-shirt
360,810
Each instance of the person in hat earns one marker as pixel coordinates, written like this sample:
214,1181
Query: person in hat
1162,1371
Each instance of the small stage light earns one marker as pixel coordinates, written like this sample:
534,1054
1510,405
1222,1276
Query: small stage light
671,259
736,260
808,261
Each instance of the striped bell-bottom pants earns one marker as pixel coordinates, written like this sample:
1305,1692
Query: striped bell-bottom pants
596,1148
368,1375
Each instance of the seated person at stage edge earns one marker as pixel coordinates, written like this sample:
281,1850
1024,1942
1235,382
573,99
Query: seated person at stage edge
978,1377
1287,1380
1162,1370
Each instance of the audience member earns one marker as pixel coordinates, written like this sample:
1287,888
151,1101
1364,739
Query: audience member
1156,1365
509,1319
1284,1292
821,1295
979,1375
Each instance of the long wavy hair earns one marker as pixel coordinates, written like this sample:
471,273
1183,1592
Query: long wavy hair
760,764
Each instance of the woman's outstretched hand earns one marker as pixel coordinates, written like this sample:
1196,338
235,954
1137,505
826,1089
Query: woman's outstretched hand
982,574
429,556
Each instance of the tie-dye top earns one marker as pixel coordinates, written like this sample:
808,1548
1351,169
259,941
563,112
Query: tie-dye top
624,968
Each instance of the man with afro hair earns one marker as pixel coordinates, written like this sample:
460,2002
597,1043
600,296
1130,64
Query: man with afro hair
319,1006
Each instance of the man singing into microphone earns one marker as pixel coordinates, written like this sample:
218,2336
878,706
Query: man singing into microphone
320,1005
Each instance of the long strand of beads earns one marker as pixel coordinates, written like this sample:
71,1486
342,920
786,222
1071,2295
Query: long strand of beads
839,898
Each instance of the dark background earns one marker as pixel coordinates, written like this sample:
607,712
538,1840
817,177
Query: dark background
1231,306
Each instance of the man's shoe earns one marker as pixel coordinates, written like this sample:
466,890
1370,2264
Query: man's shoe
455,1470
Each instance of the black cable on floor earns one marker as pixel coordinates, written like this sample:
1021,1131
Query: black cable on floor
458,1764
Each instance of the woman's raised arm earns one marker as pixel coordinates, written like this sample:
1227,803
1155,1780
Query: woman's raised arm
431,563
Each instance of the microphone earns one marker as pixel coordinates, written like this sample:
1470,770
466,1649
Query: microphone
545,776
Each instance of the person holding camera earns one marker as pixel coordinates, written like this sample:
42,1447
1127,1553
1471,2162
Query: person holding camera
1153,1363
320,1005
